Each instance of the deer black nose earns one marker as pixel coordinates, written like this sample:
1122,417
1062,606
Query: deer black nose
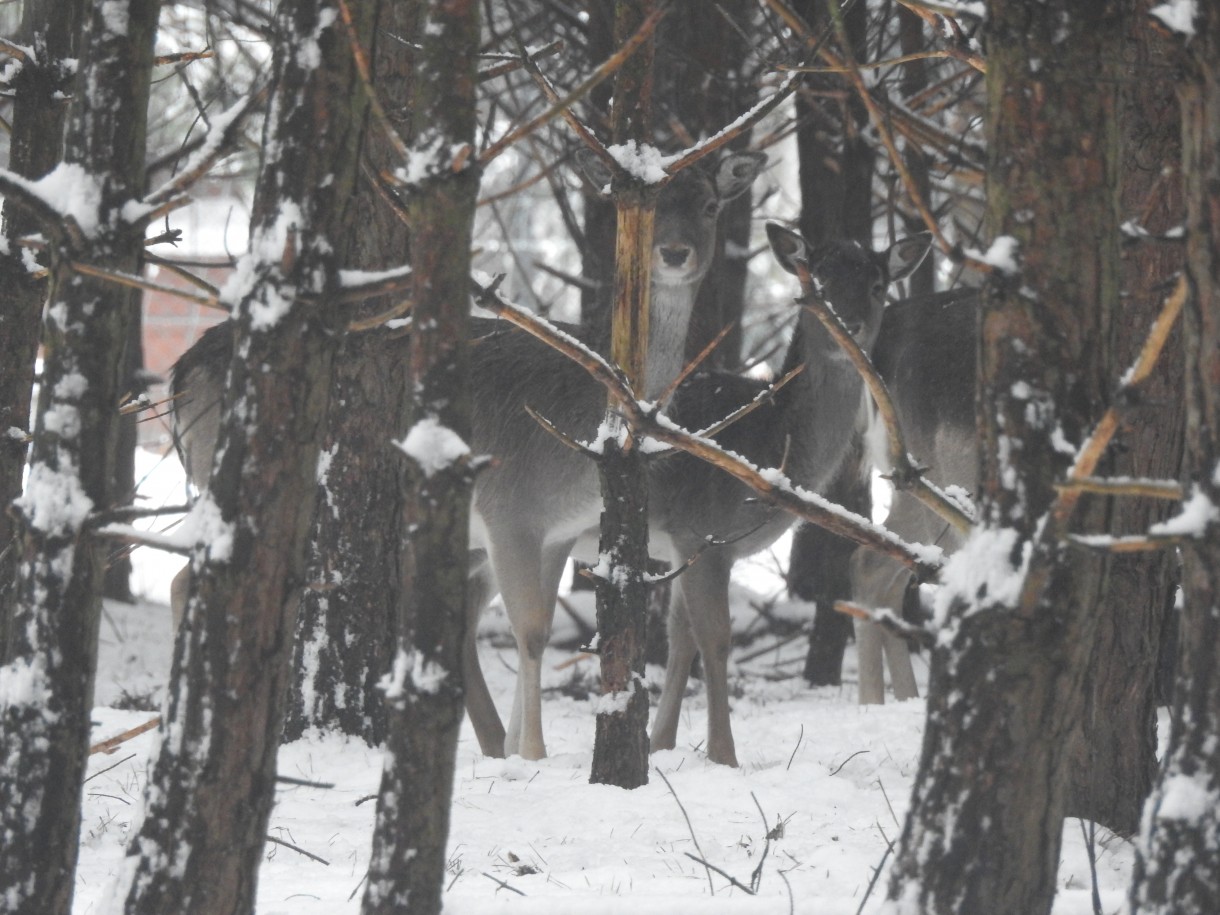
674,255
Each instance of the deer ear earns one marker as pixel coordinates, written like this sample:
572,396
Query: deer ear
736,172
906,254
593,168
788,246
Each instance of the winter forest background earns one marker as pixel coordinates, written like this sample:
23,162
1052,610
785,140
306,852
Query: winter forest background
347,179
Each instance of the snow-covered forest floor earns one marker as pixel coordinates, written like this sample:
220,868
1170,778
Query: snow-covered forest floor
823,786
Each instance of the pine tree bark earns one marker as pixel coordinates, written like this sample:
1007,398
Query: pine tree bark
40,109
212,786
47,684
1114,763
425,695
1177,869
984,828
348,624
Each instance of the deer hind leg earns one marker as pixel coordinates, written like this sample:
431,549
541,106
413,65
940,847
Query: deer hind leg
529,575
488,728
878,582
682,650
705,587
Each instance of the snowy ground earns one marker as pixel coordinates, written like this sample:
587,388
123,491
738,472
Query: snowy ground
828,780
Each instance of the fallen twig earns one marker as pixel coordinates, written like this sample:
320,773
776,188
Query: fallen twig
695,839
112,744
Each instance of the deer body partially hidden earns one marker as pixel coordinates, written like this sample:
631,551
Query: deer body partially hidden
926,353
806,430
538,495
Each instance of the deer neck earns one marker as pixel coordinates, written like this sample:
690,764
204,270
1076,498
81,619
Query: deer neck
669,316
820,407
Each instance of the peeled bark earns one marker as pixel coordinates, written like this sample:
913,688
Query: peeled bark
620,748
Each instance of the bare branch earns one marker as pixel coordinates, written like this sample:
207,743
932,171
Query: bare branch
563,107
1091,451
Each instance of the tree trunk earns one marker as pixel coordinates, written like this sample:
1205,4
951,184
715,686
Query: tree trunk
348,619
116,583
1018,611
620,748
703,82
212,786
407,869
48,681
1177,869
40,108
1114,763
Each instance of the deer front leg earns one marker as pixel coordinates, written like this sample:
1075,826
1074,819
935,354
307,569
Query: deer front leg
705,587
529,583
682,650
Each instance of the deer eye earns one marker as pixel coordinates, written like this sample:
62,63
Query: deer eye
711,209
878,289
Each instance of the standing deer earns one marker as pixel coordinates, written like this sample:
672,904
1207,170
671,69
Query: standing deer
806,429
926,352
538,495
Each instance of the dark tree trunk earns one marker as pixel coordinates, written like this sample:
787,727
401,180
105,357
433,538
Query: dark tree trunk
44,734
914,81
407,869
211,789
1177,869
116,584
1114,763
703,82
40,108
620,748
1008,670
836,175
348,620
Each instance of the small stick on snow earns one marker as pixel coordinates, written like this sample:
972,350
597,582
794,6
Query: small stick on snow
695,839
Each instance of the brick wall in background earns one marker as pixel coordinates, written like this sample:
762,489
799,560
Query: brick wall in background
171,325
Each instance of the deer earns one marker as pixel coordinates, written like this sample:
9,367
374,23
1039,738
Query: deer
534,499
806,429
926,352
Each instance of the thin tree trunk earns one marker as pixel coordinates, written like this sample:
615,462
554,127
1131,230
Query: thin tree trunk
620,748
1177,868
425,695
212,786
1018,613
116,583
40,109
48,693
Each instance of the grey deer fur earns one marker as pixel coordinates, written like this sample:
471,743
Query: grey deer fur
926,353
531,504
806,429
